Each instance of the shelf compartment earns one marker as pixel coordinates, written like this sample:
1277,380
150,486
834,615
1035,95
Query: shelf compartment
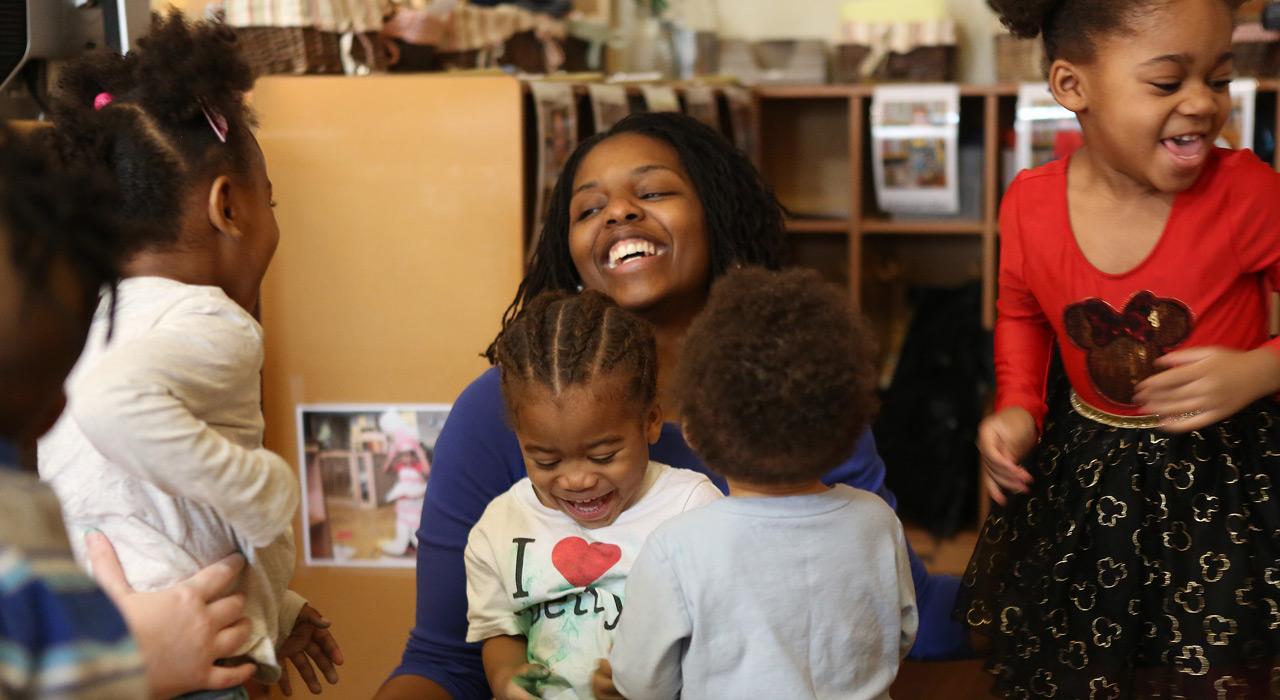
954,227
811,224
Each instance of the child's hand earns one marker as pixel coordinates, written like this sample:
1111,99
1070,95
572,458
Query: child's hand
1201,386
309,642
602,683
523,683
1004,438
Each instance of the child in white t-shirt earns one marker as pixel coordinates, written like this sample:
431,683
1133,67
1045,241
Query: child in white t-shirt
547,562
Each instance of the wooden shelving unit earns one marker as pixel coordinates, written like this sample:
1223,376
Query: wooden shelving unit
814,149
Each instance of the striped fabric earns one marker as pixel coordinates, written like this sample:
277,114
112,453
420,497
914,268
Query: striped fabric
326,15
899,37
60,637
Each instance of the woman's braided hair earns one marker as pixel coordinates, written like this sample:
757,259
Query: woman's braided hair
562,340
745,222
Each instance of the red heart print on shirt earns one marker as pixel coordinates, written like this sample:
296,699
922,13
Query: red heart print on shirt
581,563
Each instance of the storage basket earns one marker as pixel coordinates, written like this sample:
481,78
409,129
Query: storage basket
297,50
917,52
848,62
1256,51
924,64
1019,60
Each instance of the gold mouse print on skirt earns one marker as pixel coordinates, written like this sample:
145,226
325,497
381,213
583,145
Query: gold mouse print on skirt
1121,347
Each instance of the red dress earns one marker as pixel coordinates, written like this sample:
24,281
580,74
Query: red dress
1141,563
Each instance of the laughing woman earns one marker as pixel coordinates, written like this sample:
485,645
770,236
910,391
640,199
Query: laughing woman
648,213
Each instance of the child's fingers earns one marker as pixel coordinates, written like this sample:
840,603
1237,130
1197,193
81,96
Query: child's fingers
285,686
1191,421
221,677
602,683
329,644
306,672
322,661
1184,357
994,490
313,617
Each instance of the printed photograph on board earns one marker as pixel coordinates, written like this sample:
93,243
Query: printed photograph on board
364,473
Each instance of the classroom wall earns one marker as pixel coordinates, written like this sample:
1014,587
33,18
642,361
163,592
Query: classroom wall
400,210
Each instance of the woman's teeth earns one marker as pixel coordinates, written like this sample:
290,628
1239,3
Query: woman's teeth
626,251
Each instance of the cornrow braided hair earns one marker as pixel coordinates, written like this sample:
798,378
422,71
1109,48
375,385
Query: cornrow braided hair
49,214
745,221
562,340
155,135
1071,28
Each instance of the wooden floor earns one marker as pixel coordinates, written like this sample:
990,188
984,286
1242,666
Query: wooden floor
942,680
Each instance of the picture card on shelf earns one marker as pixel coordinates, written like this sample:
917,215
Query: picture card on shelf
701,104
609,104
1237,133
1045,130
660,98
556,112
914,133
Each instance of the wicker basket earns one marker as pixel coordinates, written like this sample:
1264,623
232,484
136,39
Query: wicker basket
372,49
923,64
295,50
848,63
1019,60
1256,51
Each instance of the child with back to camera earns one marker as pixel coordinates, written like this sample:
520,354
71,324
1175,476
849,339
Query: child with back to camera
1137,552
63,637
788,588
547,562
161,446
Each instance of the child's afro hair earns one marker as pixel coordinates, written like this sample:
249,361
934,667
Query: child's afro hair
776,378
153,133
1071,28
50,214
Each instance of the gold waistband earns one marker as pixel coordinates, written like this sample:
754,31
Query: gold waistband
1118,421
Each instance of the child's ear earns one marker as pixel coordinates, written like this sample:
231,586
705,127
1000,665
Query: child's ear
222,213
1065,82
653,423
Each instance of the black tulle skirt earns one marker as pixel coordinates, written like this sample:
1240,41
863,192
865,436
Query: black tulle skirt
1141,564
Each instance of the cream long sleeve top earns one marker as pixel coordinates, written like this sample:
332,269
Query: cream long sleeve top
160,448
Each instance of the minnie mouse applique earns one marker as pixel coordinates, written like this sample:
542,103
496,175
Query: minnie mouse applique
1121,347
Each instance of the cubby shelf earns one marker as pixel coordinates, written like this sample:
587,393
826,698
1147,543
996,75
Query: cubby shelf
814,147
961,227
818,225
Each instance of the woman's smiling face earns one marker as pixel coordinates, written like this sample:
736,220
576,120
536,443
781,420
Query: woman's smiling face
637,229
